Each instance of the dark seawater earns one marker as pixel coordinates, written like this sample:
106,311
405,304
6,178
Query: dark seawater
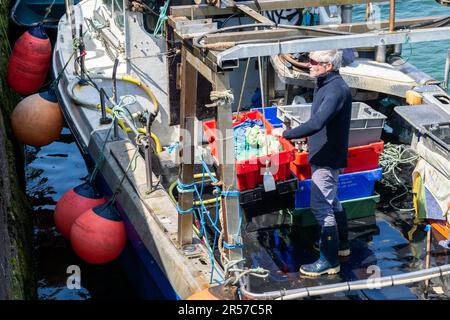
427,56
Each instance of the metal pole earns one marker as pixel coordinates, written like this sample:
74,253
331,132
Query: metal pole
104,119
447,70
380,53
392,15
427,257
347,11
114,91
374,283
148,155
82,49
148,165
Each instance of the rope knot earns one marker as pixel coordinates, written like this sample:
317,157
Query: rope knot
221,98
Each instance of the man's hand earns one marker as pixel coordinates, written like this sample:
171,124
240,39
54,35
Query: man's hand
277,132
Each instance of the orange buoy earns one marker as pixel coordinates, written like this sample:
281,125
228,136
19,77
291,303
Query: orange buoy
73,204
98,235
37,120
203,295
29,61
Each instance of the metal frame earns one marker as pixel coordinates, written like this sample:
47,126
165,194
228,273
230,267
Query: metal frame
214,65
332,42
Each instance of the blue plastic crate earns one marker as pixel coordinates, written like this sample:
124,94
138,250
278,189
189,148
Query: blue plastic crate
351,186
271,116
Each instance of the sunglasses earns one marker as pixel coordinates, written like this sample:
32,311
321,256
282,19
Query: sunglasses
315,63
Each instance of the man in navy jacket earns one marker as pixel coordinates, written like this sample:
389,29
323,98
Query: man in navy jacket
328,130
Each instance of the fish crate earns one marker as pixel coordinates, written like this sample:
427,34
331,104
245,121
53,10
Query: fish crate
351,186
257,202
437,138
271,116
366,124
361,158
355,208
250,172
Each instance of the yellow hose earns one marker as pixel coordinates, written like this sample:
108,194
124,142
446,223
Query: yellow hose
196,203
140,130
146,89
154,137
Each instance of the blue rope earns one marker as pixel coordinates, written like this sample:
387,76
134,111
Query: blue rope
201,211
232,246
171,148
230,193
206,169
181,211
185,188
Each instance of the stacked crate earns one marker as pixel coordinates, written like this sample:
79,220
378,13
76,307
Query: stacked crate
249,173
356,184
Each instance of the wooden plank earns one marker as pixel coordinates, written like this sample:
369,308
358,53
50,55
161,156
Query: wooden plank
207,10
227,168
174,20
200,66
187,118
253,14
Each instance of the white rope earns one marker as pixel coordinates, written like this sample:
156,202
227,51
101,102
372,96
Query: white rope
221,98
233,274
243,87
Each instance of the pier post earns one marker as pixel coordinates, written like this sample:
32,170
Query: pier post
188,102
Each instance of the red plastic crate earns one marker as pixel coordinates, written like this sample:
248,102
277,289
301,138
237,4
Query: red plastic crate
250,172
360,158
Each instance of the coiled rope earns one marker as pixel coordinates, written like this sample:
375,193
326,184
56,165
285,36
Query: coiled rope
393,156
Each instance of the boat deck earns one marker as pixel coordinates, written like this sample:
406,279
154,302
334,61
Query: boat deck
379,247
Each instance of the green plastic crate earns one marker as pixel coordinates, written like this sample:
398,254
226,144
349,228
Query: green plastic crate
355,208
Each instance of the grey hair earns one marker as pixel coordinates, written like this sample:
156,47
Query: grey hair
332,56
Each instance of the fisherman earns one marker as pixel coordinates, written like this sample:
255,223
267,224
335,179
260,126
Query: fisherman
328,132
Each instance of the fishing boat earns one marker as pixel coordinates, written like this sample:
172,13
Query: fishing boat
29,13
151,92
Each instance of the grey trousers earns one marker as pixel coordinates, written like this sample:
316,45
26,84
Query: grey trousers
324,184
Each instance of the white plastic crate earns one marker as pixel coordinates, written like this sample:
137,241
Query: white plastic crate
366,124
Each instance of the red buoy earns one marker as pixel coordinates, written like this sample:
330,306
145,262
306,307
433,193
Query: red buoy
29,61
37,120
73,204
98,235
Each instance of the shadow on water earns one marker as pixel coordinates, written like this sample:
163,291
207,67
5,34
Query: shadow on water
50,172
